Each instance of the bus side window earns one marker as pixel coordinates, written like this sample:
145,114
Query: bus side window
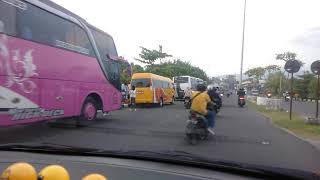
8,19
162,84
158,84
148,84
155,83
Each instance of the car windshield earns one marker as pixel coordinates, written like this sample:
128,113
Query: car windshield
71,75
181,80
140,82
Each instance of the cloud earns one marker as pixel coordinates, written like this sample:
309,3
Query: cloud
310,38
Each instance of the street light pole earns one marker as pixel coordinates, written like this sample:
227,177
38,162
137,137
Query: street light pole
280,86
243,33
317,103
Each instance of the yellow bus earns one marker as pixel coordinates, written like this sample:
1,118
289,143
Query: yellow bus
152,88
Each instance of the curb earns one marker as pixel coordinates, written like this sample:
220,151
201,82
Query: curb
313,144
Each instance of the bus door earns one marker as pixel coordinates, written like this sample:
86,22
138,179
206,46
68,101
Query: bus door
119,72
113,70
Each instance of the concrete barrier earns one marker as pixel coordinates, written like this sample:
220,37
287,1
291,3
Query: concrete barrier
262,101
252,99
270,103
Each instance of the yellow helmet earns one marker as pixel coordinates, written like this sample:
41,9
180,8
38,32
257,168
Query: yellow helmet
19,171
54,172
94,177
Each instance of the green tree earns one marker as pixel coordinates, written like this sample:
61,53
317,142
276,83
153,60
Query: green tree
177,68
272,68
136,68
285,56
256,72
301,84
273,82
149,57
313,88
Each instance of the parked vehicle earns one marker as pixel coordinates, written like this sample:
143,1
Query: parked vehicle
53,64
153,89
185,82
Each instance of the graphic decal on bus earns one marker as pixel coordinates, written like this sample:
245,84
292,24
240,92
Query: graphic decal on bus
11,100
18,66
20,114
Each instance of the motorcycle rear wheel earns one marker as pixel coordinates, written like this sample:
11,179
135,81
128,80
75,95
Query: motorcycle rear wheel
204,136
192,139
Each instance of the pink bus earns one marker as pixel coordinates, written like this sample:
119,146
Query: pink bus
53,64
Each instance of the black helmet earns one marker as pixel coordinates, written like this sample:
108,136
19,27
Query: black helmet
201,87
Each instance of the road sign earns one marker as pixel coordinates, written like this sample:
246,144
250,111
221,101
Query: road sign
292,66
315,67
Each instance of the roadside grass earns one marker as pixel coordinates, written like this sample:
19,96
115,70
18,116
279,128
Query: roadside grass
296,125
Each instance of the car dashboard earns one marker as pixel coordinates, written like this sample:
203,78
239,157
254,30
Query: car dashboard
113,168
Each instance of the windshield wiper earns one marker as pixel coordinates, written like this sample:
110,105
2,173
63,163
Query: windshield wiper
177,157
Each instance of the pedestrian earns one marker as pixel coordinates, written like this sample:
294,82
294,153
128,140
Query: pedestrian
132,94
188,93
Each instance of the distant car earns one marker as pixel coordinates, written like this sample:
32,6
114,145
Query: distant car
255,93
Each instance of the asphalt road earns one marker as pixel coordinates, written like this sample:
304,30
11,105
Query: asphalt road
305,108
242,135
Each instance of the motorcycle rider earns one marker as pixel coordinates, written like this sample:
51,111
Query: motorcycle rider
199,104
214,96
188,93
241,93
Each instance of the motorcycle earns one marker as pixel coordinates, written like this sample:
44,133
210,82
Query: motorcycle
287,98
269,95
215,106
196,129
241,101
187,102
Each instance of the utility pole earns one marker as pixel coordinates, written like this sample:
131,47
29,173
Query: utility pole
280,86
243,33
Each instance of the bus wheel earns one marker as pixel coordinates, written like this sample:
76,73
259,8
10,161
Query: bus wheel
161,102
89,110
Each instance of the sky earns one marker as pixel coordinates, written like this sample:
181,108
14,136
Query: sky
208,33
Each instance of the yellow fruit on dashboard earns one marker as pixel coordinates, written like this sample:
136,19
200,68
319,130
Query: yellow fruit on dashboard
19,171
94,177
54,172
